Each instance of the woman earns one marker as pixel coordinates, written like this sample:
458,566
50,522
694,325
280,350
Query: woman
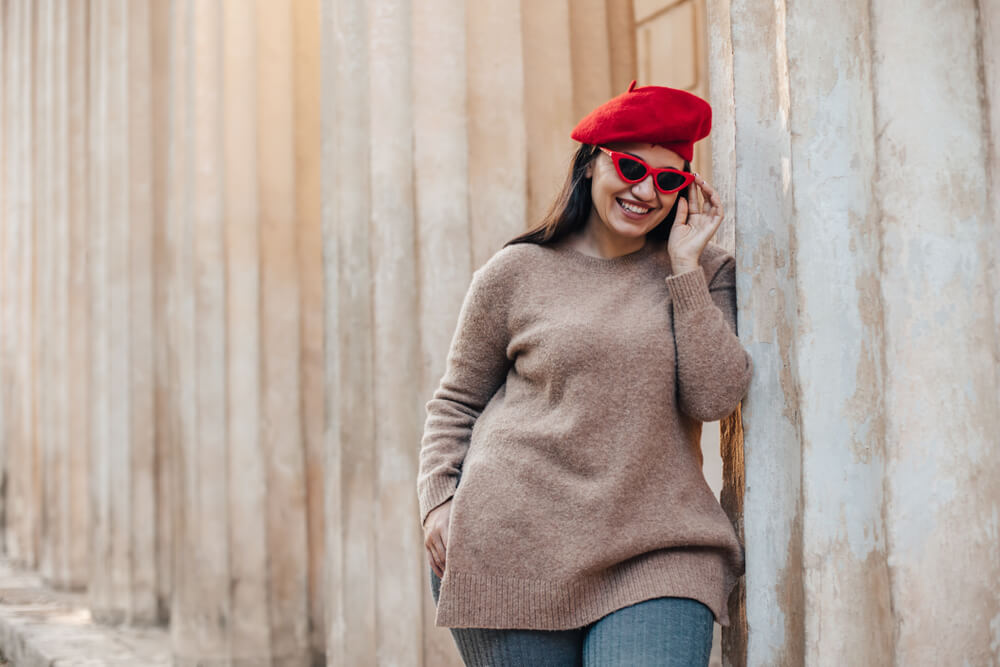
566,517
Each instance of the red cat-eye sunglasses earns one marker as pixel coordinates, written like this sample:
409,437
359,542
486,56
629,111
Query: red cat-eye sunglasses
632,170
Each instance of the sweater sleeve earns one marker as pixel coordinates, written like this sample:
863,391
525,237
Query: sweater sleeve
476,367
713,368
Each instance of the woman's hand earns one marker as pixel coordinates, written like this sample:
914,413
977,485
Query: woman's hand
436,535
696,222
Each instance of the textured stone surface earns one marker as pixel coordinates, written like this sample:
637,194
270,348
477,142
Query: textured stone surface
43,628
242,280
869,300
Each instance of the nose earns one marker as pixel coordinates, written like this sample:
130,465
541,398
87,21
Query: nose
644,189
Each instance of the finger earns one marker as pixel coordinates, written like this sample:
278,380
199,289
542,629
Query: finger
432,547
439,567
702,195
705,185
682,211
717,204
713,200
442,551
713,226
714,196
434,562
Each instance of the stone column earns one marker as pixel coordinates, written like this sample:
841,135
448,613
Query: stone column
446,133
240,257
868,302
47,403
123,585
938,283
63,322
989,28
43,411
371,278
840,342
23,482
308,202
5,353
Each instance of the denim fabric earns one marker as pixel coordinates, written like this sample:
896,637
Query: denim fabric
660,632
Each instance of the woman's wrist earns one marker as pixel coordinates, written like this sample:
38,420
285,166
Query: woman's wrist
682,266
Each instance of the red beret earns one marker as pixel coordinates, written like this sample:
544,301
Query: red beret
667,117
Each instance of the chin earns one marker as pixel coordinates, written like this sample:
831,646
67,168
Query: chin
630,229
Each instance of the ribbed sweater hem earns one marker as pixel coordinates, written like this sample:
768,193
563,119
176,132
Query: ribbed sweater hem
495,601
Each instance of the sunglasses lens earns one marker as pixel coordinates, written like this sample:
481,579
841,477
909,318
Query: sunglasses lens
670,181
631,169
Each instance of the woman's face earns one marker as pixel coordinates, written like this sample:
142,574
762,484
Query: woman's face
630,209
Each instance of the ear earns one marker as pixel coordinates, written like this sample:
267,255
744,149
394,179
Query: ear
589,171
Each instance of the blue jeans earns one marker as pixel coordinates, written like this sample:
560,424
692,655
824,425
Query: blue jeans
661,632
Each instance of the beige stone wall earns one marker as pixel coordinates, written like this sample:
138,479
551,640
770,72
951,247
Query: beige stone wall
161,307
243,302
446,134
23,486
235,236
868,297
120,219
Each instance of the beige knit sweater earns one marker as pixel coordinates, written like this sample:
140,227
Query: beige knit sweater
567,428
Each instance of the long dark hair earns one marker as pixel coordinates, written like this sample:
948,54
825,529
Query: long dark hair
571,208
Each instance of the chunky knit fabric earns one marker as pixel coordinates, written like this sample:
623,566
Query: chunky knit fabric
567,428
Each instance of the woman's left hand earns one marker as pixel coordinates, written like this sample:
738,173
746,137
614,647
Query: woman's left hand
697,220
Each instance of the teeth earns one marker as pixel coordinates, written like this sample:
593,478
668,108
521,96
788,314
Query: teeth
633,208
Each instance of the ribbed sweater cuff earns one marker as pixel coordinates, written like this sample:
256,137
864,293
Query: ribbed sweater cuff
689,290
434,491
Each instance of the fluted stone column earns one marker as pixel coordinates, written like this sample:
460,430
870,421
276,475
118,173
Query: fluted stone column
308,202
989,25
61,304
445,134
47,239
4,305
941,353
242,263
441,145
123,580
868,298
43,295
23,457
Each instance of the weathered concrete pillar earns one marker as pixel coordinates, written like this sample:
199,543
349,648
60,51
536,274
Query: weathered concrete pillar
443,138
47,238
240,254
62,296
868,302
441,144
841,337
308,201
123,585
23,482
372,272
941,349
5,375
989,27
163,390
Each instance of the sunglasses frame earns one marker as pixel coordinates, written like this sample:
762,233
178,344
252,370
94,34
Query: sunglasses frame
617,157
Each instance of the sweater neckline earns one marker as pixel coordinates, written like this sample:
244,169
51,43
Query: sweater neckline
627,259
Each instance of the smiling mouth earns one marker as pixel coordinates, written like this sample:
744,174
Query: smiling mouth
634,209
